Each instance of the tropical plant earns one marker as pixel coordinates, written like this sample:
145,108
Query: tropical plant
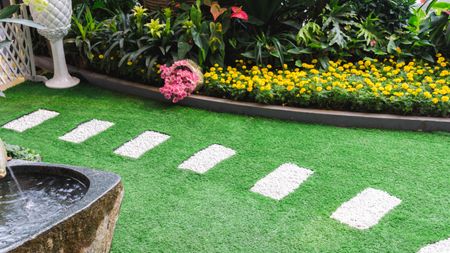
104,8
435,23
83,35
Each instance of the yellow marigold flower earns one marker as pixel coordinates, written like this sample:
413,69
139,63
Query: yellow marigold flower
445,99
319,89
435,100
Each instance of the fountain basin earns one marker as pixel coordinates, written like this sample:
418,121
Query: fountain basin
61,208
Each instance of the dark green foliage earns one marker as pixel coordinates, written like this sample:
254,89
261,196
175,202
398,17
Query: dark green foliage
277,32
105,8
21,153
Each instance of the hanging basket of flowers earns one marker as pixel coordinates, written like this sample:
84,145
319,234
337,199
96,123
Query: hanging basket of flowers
158,4
181,79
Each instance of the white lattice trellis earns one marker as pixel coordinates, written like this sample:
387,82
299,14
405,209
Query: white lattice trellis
17,59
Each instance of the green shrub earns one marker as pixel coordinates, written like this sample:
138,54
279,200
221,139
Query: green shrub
21,153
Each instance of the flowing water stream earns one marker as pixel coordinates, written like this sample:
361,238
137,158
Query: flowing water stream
28,202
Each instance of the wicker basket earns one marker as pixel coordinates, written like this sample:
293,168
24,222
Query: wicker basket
157,4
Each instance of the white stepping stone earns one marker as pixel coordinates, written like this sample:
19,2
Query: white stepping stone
207,158
141,144
439,247
86,130
31,120
366,209
282,181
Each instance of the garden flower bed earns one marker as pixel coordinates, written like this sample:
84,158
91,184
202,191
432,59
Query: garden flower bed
391,86
310,115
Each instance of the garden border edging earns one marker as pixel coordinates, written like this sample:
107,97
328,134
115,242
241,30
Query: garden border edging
316,116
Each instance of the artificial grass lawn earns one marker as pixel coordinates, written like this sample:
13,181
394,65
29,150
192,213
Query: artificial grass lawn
166,209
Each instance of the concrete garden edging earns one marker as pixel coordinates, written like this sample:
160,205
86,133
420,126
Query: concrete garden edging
315,116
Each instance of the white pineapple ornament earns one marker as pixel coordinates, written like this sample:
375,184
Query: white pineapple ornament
55,15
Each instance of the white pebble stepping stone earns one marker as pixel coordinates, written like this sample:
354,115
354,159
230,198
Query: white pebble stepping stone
86,130
439,247
207,158
141,144
31,120
366,209
282,181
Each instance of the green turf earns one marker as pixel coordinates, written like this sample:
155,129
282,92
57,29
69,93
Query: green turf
169,210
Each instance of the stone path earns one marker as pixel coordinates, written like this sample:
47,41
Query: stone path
86,131
363,211
141,144
207,158
281,182
439,247
366,209
30,120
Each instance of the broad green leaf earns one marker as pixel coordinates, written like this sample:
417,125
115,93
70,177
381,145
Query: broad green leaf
4,43
299,51
24,22
8,11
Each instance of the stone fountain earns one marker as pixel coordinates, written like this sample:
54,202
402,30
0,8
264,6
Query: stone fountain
56,208
3,158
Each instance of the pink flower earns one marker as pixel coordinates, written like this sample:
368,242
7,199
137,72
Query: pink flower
180,80
239,13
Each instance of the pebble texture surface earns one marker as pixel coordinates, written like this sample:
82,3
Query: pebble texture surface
31,120
86,130
439,247
207,158
141,144
366,209
281,182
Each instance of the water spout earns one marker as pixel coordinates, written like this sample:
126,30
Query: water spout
3,159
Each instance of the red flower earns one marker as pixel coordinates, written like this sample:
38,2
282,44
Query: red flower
216,10
239,13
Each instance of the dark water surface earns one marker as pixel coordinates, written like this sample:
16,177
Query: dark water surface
43,197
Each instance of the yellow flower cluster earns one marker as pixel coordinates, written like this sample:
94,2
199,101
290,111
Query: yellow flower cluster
386,79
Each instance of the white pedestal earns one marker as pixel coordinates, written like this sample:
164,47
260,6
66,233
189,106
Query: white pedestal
61,79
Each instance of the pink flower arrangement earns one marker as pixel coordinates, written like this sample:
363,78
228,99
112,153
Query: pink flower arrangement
180,80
